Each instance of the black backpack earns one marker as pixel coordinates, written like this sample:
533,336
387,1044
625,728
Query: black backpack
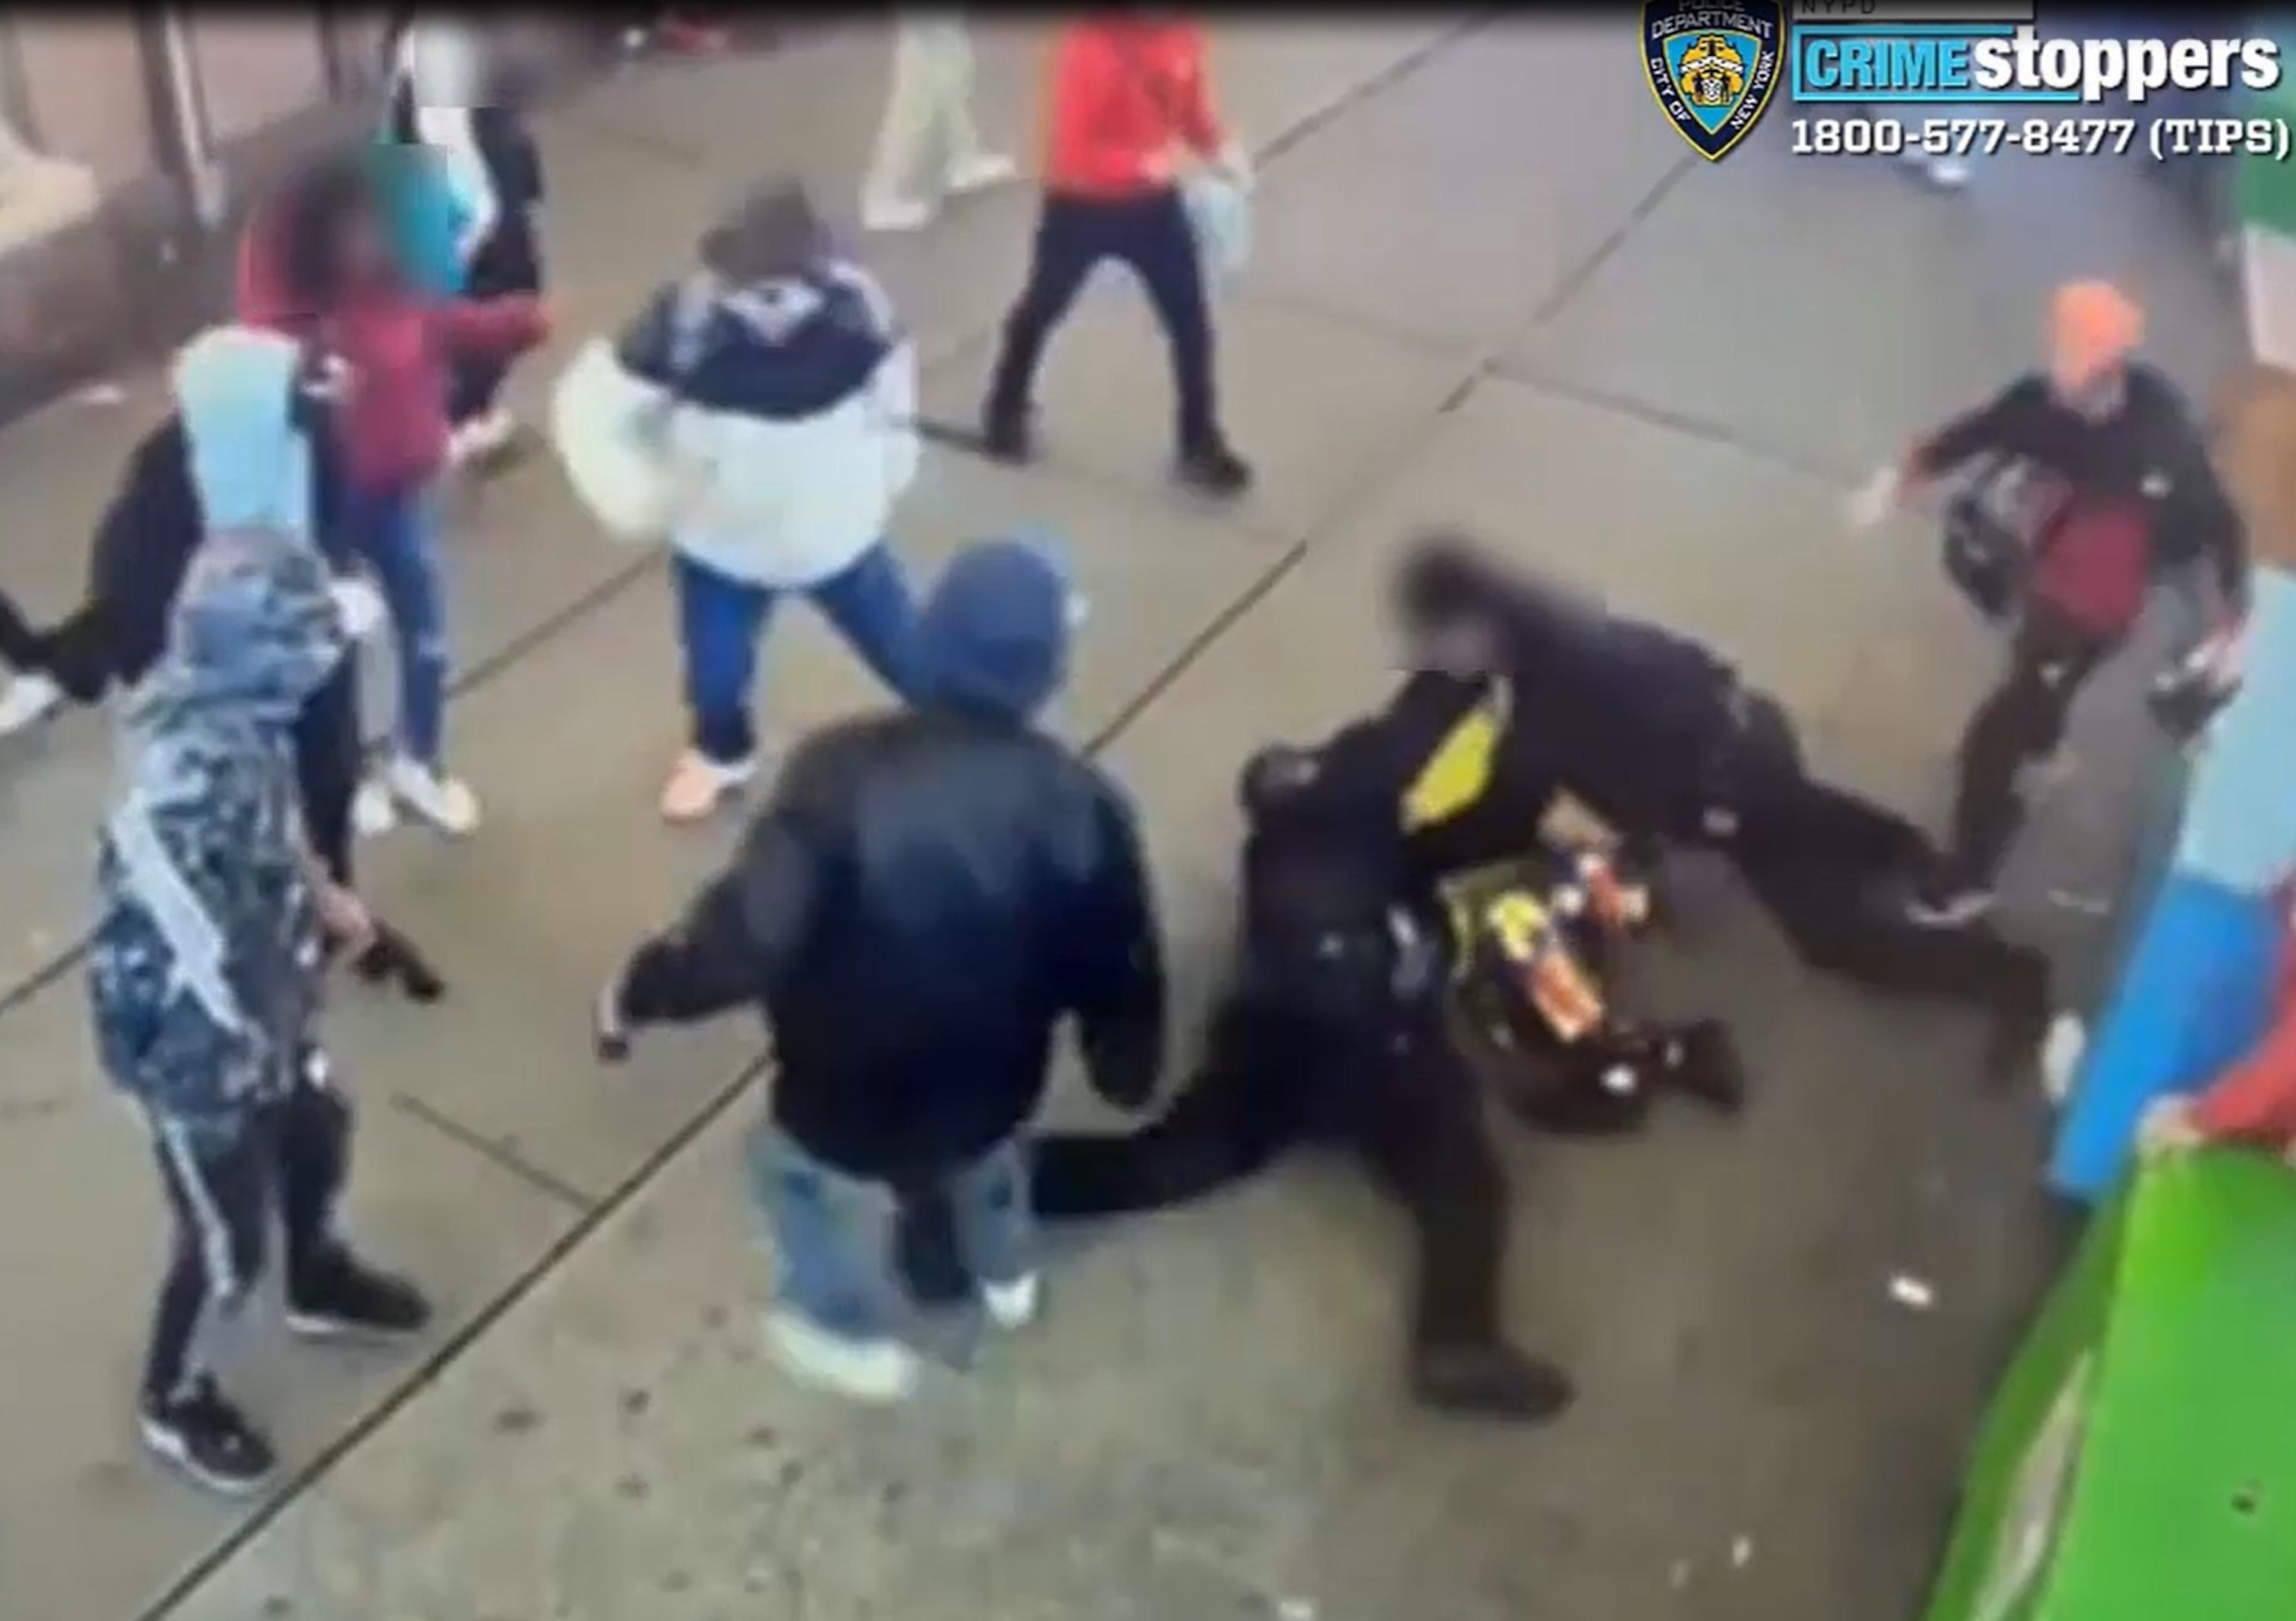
1994,521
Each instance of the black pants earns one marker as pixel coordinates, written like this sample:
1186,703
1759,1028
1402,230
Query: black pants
293,1157
1406,1103
2022,721
329,760
1813,856
509,261
1151,235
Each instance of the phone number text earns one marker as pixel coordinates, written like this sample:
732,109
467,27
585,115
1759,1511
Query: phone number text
2162,140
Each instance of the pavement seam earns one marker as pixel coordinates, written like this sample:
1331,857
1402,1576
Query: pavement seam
606,591
1687,424
504,1158
590,1219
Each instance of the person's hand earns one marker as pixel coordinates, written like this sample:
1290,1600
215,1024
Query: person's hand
1234,162
344,919
2169,1127
1163,168
610,1026
1877,499
360,604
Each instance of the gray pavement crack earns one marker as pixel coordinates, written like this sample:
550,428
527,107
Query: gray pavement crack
501,1156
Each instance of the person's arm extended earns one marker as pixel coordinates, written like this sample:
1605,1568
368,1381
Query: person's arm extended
737,937
1117,972
1973,433
490,326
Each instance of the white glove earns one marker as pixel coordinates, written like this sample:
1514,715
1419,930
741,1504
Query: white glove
360,604
1876,499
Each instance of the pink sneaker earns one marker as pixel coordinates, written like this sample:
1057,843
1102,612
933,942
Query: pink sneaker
698,785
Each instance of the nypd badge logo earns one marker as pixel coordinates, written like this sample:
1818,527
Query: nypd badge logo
1712,67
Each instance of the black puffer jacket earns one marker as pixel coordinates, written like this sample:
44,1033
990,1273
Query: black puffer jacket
927,896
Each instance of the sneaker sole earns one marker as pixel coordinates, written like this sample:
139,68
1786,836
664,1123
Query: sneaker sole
335,1329
169,1448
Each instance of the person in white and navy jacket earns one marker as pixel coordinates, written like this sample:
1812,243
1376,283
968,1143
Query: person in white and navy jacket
451,94
793,429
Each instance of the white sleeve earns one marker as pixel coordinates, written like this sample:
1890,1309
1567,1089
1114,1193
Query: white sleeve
448,132
893,401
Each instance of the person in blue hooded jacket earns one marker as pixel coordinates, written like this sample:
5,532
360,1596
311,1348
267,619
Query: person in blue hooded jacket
930,893
213,916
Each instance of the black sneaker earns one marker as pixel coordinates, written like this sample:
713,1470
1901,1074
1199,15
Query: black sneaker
1215,469
337,1297
1005,437
201,1433
1702,1060
1489,1381
1946,904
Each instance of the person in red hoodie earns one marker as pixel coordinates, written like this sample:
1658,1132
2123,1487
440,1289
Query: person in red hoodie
331,248
1131,107
2254,1100
2123,492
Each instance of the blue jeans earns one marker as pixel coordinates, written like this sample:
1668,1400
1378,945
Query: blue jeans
832,1232
721,619
396,534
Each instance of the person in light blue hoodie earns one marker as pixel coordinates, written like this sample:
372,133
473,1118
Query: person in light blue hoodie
213,915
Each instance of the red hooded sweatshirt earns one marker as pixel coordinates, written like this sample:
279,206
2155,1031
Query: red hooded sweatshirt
1125,91
2255,1099
391,422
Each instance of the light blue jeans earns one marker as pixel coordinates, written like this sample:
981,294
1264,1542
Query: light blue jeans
832,1232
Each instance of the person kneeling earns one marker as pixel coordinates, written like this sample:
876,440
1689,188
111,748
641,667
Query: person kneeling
928,893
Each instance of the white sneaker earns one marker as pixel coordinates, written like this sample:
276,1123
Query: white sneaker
894,214
980,171
876,1371
27,701
1013,1305
373,813
443,802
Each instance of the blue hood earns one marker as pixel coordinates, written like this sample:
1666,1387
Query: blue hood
994,637
250,461
254,633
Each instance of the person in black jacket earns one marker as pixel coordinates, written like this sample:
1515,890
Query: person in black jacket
2121,492
928,895
1657,735
143,544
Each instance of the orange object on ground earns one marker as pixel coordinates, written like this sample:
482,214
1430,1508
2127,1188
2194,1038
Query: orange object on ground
1125,93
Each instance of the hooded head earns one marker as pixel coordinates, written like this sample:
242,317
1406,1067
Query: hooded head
2094,328
774,234
239,395
255,631
994,637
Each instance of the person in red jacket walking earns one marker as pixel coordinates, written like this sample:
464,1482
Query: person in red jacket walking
1131,107
2254,1100
391,430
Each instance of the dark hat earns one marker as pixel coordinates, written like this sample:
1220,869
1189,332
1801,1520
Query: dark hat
773,233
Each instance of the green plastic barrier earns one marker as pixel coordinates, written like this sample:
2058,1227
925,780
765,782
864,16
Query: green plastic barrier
2139,1460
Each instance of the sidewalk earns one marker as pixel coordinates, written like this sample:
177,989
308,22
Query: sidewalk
1490,289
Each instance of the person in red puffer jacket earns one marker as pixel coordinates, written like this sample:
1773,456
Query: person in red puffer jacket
319,265
1131,110
2127,493
2254,1100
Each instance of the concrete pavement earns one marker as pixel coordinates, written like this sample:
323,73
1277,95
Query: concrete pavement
1490,286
